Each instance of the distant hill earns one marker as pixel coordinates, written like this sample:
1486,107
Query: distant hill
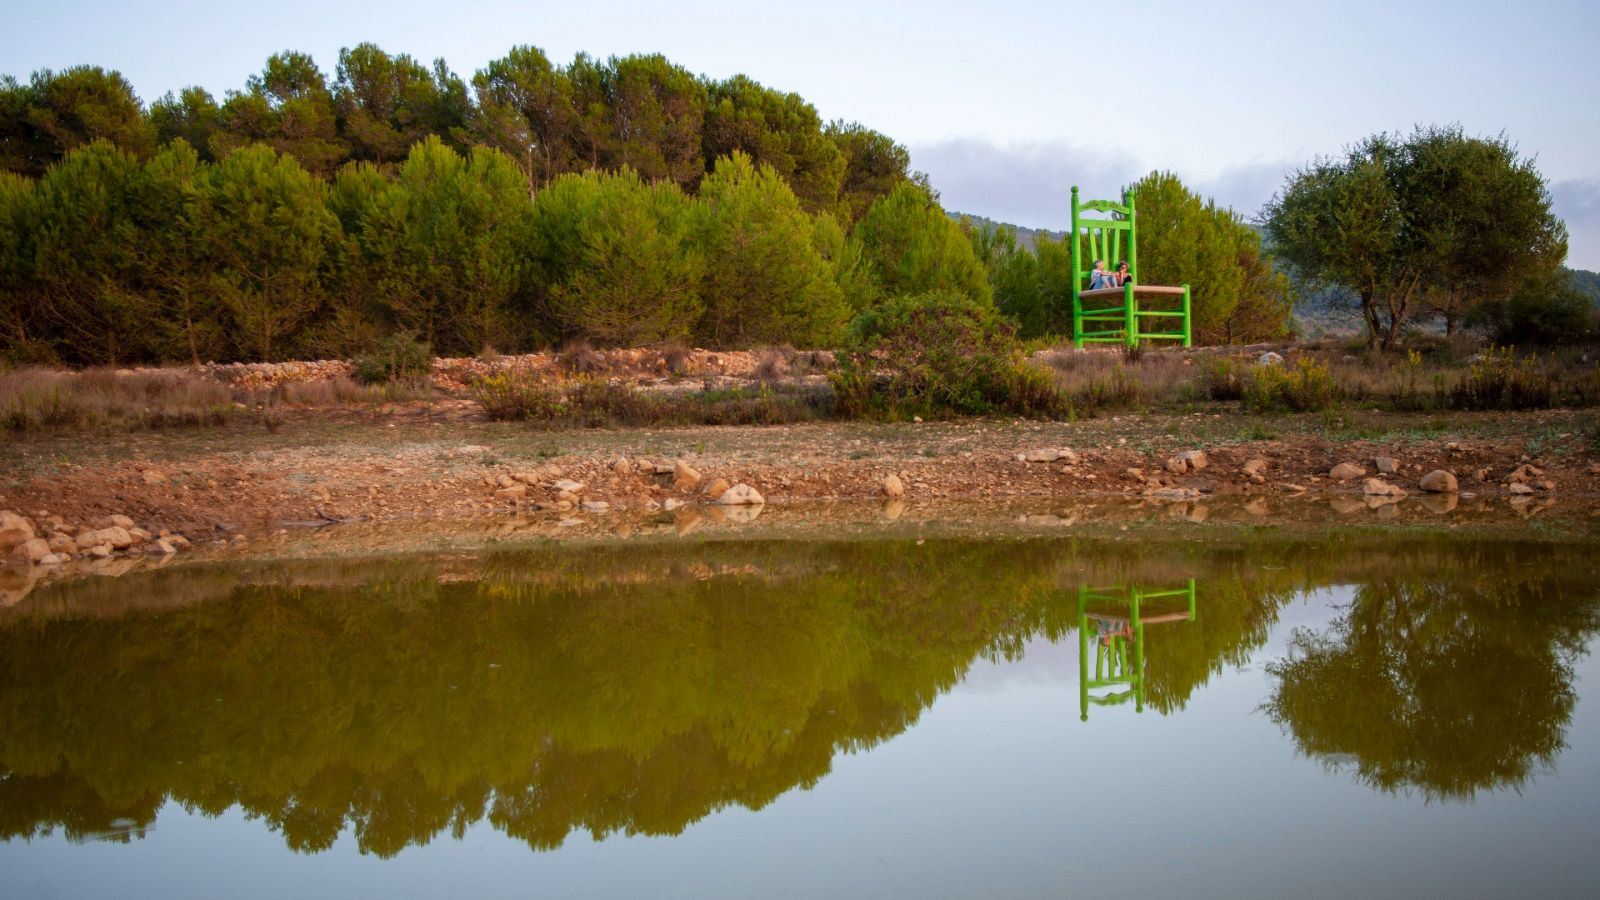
1586,283
1026,237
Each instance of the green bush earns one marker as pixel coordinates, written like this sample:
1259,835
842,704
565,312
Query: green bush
398,357
1304,387
934,354
1500,379
1221,378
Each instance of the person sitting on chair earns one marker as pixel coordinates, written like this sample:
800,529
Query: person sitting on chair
1100,278
1122,276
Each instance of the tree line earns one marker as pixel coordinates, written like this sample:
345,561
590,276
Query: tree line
625,202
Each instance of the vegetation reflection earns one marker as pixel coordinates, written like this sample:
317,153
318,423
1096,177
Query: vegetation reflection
636,688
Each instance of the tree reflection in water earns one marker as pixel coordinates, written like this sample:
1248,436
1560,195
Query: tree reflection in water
637,688
1448,683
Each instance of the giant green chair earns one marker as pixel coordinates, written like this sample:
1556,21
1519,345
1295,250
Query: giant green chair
1135,312
1118,618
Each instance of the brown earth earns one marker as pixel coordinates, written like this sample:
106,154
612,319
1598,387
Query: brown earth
442,460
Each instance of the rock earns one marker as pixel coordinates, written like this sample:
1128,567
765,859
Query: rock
1518,487
1269,358
1525,472
139,534
1344,504
120,521
596,506
622,466
100,551
1547,485
1255,468
568,498
893,487
505,481
665,468
740,495
1386,465
1377,487
1439,482
61,543
179,541
514,492
671,503
15,530
684,476
161,547
529,478
1048,455
1173,493
152,476
31,550
54,559
1439,503
714,488
1288,488
1346,471
568,486
115,536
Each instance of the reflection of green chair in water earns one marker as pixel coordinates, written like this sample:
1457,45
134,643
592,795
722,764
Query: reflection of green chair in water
1119,642
1113,315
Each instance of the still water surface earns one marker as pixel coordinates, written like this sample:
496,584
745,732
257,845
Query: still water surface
1261,714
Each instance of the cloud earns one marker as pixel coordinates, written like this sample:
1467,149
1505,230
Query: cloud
1577,202
1030,183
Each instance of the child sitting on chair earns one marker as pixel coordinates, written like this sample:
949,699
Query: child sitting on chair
1122,276
1100,278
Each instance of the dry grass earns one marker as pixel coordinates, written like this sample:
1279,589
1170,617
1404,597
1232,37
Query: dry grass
597,403
348,392
35,398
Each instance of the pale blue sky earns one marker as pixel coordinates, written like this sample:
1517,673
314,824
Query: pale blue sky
1230,95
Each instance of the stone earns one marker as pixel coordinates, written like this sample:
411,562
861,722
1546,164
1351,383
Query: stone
1439,482
1255,468
161,547
1525,472
1377,487
1518,487
621,466
567,497
54,559
671,503
1047,455
665,468
1289,488
1386,465
115,536
139,534
179,541
1346,471
714,489
685,477
1547,485
100,551
152,476
61,543
568,486
1269,358
15,530
514,492
893,487
120,521
31,550
596,506
505,481
741,495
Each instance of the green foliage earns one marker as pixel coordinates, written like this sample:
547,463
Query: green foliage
765,280
289,108
1304,387
1225,377
1503,379
779,130
1236,297
619,258
911,247
386,104
1438,219
269,234
398,357
1536,311
57,112
935,354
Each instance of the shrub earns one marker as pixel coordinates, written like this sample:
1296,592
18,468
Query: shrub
937,353
1304,387
1221,378
596,403
1500,379
398,357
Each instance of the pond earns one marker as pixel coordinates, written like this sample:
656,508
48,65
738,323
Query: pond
1233,712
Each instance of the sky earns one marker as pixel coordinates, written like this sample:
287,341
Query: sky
1005,105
